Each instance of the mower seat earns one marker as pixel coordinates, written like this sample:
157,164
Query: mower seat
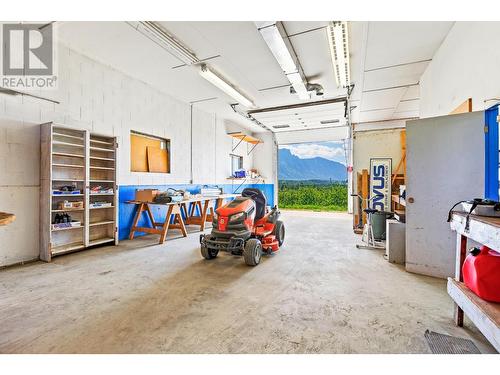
260,201
370,211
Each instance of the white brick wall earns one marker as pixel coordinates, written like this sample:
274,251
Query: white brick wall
99,98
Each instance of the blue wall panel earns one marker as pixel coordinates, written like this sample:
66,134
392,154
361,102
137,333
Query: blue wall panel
491,154
126,211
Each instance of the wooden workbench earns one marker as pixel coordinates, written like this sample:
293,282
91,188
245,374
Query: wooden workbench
175,211
485,315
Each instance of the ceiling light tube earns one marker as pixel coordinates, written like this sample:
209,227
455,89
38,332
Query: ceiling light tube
298,85
338,41
158,34
223,85
275,37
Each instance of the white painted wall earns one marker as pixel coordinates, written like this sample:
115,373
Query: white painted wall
465,66
99,98
384,143
375,144
265,160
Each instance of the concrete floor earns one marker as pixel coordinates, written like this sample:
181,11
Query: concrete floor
318,295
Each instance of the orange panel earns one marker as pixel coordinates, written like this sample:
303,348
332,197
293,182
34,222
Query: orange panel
157,160
138,152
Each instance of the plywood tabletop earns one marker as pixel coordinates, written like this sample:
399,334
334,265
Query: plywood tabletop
190,200
494,221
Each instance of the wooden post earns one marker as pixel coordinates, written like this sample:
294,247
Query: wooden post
364,192
166,224
204,215
140,208
402,138
461,254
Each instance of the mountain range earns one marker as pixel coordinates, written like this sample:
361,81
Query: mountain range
291,167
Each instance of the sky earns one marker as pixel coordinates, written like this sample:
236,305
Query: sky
328,150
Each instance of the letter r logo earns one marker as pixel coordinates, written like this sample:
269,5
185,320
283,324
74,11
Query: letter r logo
27,49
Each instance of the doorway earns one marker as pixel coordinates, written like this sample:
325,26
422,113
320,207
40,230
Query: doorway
313,176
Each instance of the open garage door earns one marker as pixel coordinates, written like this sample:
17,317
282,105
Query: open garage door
318,121
312,135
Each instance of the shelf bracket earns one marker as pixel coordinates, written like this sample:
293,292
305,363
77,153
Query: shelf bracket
249,152
240,185
241,140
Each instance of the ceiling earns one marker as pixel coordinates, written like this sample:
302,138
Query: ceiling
387,61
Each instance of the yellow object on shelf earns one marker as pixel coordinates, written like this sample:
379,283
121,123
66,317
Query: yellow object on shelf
246,138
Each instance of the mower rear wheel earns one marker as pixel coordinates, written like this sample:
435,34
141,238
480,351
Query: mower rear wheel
208,253
252,252
279,232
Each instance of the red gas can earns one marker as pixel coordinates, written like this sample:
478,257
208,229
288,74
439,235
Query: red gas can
481,272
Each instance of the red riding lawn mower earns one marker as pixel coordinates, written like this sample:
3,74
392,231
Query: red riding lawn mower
243,227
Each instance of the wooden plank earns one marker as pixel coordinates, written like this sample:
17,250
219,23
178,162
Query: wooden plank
485,315
45,191
190,200
148,230
484,230
364,192
246,138
464,107
164,231
138,152
140,208
157,160
460,259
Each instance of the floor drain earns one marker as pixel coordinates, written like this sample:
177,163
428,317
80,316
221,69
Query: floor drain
444,344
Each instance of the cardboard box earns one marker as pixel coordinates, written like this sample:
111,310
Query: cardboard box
145,195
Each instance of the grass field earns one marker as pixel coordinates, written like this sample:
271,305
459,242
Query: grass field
313,195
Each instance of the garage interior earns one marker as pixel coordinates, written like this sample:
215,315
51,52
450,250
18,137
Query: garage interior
141,108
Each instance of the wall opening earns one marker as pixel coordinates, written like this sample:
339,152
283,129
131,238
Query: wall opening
149,153
313,176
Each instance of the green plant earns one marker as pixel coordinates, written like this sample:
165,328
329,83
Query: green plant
313,195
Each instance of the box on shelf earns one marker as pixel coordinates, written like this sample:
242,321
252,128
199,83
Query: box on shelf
101,190
62,192
67,225
211,191
241,173
66,205
100,204
146,195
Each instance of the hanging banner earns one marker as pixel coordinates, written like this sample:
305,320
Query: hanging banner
380,183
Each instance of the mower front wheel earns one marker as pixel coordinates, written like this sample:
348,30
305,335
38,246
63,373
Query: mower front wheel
208,253
252,252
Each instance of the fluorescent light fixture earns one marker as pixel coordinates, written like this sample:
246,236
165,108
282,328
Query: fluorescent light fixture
298,85
339,48
164,39
276,39
223,85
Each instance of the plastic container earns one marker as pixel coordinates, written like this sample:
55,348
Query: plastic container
379,224
481,271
